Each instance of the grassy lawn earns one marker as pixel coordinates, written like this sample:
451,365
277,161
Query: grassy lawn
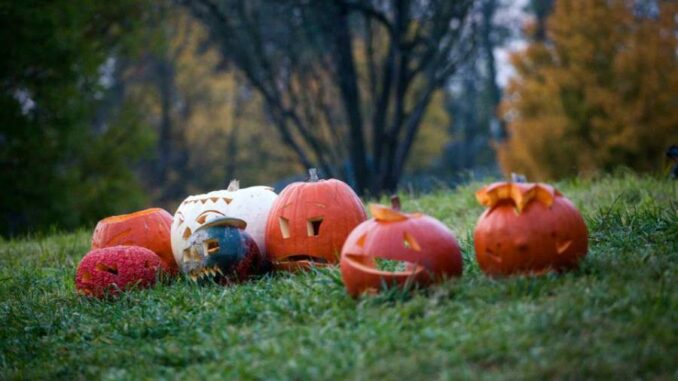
614,318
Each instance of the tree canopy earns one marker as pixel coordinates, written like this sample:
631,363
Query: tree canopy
55,169
602,90
345,83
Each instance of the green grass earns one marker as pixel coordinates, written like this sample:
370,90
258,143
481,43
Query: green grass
614,318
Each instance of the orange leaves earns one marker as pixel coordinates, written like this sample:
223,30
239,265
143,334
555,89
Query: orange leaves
596,96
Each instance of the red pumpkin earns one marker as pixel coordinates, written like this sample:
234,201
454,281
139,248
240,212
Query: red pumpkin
309,222
429,249
110,270
148,228
528,229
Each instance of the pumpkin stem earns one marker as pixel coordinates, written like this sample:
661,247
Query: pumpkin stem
233,186
313,175
518,178
395,202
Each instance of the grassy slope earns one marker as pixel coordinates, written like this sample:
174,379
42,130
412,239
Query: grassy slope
616,317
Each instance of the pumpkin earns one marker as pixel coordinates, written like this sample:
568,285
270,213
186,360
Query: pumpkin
223,251
110,270
310,221
428,248
249,204
149,228
528,229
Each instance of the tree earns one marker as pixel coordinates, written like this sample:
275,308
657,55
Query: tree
474,97
601,91
329,106
209,119
55,169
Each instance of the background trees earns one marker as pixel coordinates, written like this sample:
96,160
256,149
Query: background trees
600,91
55,166
346,83
106,107
210,123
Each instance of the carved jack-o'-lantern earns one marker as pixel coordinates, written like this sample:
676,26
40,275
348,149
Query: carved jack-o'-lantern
113,269
148,228
428,249
310,221
249,204
223,251
528,228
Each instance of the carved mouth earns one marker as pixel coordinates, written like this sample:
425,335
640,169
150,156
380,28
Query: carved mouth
301,262
204,273
369,264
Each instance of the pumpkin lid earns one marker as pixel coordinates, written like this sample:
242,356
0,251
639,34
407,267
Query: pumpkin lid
383,213
520,194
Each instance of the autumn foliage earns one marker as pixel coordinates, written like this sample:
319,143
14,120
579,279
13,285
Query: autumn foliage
600,92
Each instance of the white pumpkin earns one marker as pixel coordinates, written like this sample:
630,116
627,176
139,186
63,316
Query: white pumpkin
250,204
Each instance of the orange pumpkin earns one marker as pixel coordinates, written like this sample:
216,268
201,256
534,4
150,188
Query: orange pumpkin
309,222
528,229
149,228
429,249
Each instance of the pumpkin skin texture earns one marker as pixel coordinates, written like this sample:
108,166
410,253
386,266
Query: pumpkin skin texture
309,223
429,249
149,228
251,204
110,270
528,229
222,251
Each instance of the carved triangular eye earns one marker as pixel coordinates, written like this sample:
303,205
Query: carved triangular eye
227,200
214,199
361,241
313,226
204,200
186,257
284,227
187,233
410,243
86,276
211,246
562,247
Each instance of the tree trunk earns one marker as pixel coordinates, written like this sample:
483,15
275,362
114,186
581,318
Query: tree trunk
489,8
165,79
348,86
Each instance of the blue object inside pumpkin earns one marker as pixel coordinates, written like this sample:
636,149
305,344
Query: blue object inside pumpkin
221,250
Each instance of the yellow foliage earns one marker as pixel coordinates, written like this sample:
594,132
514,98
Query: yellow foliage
432,136
218,120
601,92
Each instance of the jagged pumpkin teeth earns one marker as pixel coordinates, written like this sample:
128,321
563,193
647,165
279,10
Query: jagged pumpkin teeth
528,228
221,247
249,205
